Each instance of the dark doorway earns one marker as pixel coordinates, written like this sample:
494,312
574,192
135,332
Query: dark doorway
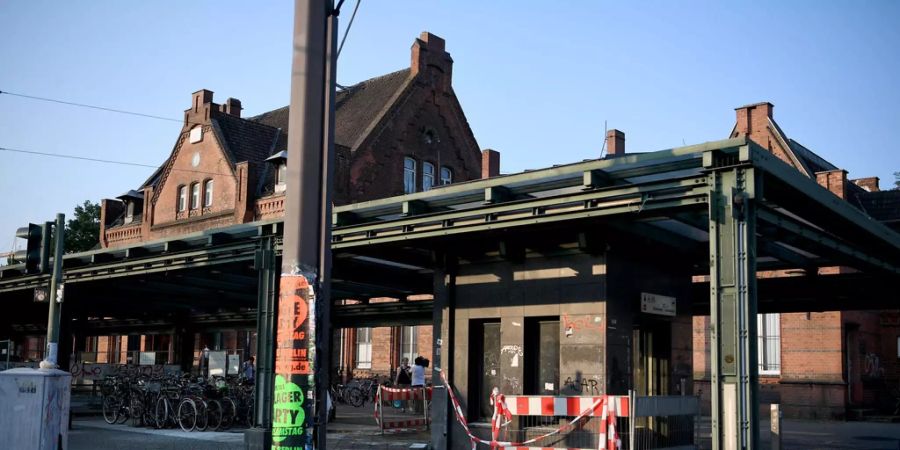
542,356
652,355
484,366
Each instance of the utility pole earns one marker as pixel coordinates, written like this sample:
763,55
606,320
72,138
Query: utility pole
56,295
303,328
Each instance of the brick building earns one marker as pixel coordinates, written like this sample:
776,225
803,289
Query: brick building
820,364
397,133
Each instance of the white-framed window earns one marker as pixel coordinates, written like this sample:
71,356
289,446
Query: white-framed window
281,174
446,175
195,195
363,348
408,346
409,175
427,176
768,330
182,198
208,193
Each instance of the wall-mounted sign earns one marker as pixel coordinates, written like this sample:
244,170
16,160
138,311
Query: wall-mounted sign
147,358
657,304
217,363
41,295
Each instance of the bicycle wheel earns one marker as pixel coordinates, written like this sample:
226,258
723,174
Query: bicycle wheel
136,411
110,409
161,415
356,397
123,413
187,415
214,414
229,412
248,418
202,416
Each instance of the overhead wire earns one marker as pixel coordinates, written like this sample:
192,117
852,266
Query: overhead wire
105,161
100,108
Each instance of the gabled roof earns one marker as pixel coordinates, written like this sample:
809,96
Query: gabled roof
357,108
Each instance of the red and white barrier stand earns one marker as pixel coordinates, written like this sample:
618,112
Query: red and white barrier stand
388,394
607,407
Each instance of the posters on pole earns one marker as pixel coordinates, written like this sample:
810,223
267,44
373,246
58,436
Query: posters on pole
218,362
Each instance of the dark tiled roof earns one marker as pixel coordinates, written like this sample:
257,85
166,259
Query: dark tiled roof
356,108
245,140
815,162
883,206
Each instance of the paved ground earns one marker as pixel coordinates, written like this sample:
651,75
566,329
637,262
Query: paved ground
355,429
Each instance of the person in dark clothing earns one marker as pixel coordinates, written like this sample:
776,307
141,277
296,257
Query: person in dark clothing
403,380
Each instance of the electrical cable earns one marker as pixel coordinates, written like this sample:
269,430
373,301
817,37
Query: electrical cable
347,31
105,161
101,108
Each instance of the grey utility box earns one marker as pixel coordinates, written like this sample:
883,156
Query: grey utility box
34,408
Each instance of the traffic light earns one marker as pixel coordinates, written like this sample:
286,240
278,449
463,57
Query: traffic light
36,255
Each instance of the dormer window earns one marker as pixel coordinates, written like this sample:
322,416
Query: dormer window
134,205
281,174
279,162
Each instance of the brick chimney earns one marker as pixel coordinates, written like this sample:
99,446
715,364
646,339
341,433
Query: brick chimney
870,184
490,163
430,58
834,180
232,107
753,121
615,143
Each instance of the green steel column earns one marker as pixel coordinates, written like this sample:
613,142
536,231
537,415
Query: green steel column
732,252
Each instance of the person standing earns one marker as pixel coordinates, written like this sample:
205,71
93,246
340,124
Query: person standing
249,370
403,380
418,382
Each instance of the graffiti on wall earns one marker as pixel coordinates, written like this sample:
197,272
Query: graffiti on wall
91,371
581,324
582,386
872,367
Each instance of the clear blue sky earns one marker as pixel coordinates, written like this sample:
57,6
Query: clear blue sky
536,80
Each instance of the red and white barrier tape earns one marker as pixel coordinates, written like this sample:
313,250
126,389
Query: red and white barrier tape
608,433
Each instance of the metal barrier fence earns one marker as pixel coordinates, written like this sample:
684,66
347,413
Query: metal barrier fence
410,396
665,422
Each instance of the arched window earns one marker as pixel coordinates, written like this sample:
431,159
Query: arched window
427,176
409,175
208,193
182,198
195,195
446,175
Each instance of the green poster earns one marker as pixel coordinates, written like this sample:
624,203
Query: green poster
288,416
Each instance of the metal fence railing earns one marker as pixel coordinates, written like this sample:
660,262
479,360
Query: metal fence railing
665,422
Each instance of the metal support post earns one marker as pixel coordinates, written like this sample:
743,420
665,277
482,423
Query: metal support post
301,346
267,288
442,350
732,252
56,296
